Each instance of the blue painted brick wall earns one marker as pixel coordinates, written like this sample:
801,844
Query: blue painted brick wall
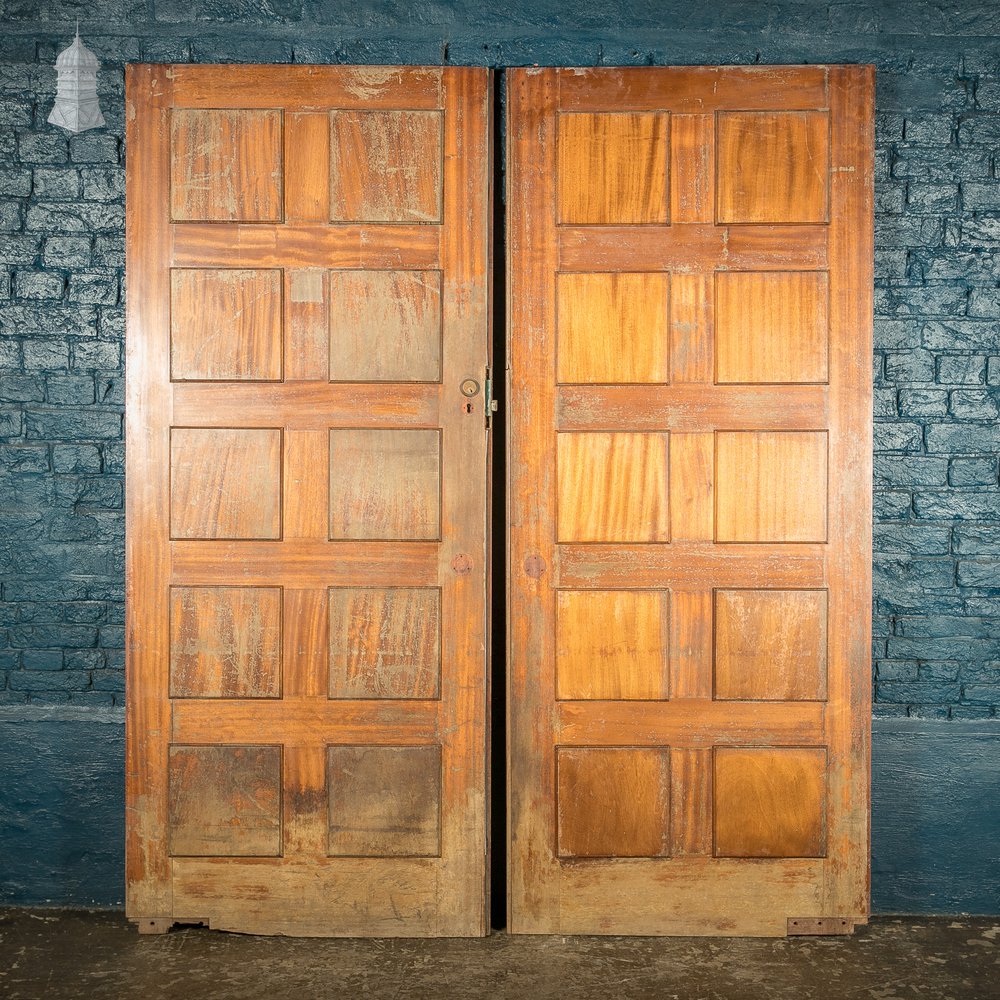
937,325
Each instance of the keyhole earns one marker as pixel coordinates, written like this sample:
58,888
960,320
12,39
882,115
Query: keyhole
468,407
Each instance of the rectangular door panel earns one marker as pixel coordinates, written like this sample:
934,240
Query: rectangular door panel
690,275
307,551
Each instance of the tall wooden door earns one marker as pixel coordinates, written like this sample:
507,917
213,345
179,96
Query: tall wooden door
690,339
308,290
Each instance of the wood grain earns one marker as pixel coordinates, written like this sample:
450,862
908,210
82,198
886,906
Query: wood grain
225,642
612,644
771,487
773,166
613,802
613,487
613,328
385,643
225,801
225,483
385,484
226,166
613,168
770,644
226,324
385,166
770,803
385,326
771,327
384,801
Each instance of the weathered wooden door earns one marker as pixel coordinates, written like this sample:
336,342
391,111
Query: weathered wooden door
691,289
308,270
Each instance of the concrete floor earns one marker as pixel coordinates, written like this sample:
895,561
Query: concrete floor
52,954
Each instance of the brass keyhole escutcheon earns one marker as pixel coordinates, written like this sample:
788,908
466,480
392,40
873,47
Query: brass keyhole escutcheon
470,387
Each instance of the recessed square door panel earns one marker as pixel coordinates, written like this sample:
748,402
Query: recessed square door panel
385,642
614,328
771,326
385,326
770,802
614,802
771,486
225,482
385,484
613,487
613,168
770,645
689,594
773,166
307,544
225,324
385,166
225,801
385,801
226,165
225,642
612,644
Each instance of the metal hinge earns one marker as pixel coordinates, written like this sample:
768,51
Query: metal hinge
819,925
490,404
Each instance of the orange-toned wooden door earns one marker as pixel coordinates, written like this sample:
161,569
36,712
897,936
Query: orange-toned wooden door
308,265
690,336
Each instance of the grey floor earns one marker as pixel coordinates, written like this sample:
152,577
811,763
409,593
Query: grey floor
70,953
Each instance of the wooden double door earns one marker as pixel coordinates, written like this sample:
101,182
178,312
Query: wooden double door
308,547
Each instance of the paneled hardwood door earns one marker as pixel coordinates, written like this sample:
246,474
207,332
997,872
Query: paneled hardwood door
308,269
690,462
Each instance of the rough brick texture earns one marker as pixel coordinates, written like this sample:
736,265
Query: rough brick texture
937,332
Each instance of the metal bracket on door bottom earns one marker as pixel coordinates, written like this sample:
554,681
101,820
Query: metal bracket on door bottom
799,926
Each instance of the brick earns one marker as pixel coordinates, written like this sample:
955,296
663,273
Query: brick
17,458
111,390
963,438
46,355
61,680
984,303
993,371
11,217
981,573
67,251
923,402
11,423
108,680
970,265
918,539
923,197
885,404
983,231
42,659
70,390
896,333
103,183
96,354
979,129
973,404
109,251
949,648
21,389
93,148
39,285
978,196
910,470
979,695
908,231
98,289
72,425
979,506
84,659
972,472
56,183
962,335
935,626
942,299
19,249
52,636
42,147
909,366
33,321
961,369
977,539
890,199
82,217
89,493
76,458
920,692
933,129
934,164
899,436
